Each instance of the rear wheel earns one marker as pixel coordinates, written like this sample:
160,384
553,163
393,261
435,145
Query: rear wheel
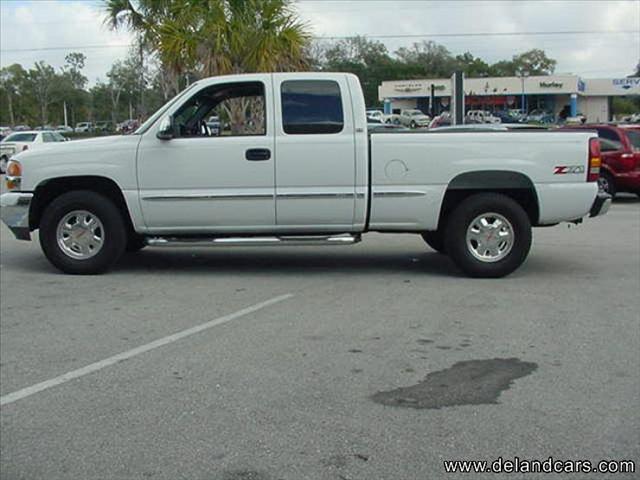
606,184
488,235
435,239
82,232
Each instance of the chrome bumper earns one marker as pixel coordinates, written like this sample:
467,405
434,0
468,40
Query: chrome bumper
600,205
14,212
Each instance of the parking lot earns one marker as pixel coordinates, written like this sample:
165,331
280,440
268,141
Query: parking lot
294,373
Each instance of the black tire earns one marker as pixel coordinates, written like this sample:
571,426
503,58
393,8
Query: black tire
135,243
606,184
114,235
461,219
413,124
435,239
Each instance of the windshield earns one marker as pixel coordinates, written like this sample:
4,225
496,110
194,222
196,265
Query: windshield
151,120
21,137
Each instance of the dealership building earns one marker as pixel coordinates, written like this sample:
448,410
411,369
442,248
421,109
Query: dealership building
554,93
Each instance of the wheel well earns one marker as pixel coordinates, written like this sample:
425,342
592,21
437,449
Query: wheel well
512,184
49,190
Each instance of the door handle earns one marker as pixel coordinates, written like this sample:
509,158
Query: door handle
258,154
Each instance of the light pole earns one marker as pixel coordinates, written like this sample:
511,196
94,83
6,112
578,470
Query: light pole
523,74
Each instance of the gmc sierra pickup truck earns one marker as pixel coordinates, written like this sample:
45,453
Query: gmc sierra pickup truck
293,164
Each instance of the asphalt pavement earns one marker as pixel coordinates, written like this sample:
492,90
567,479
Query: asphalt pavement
373,361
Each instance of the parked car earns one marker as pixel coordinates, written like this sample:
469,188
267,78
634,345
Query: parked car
481,116
128,126
83,127
4,131
103,126
214,125
620,150
541,116
64,129
21,128
414,118
306,173
519,115
506,117
442,120
25,140
375,115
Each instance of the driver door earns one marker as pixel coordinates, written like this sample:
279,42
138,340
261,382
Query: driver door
203,181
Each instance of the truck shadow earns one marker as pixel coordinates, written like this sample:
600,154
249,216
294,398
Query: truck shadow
283,262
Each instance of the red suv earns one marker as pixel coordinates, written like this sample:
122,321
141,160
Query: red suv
620,151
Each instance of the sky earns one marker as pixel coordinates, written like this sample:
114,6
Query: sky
32,30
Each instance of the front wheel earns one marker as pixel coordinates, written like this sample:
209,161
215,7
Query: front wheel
82,232
488,235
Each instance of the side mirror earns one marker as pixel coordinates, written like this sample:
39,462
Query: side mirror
165,130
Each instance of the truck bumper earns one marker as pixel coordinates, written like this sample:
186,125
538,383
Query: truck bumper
600,205
14,212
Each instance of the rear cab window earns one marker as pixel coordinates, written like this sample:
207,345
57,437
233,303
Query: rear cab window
311,107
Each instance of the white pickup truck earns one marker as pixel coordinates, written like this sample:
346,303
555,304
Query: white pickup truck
295,165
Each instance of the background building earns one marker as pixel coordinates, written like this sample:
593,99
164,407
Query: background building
591,97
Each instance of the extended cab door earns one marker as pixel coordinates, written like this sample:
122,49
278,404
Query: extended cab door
205,179
315,153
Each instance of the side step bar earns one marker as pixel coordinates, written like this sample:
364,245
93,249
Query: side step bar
298,240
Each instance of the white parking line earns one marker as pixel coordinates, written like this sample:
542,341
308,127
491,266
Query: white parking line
94,367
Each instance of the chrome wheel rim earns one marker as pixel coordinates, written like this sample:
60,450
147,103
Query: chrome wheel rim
603,184
490,237
80,234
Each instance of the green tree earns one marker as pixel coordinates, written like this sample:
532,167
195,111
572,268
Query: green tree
9,86
473,67
433,59
216,37
532,62
368,59
42,77
123,78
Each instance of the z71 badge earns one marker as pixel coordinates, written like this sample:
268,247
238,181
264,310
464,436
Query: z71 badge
566,169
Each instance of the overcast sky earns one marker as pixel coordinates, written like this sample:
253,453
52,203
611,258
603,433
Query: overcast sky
39,27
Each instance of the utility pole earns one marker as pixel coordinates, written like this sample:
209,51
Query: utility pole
64,104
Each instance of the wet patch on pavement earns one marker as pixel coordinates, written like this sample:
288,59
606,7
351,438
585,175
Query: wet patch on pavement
473,382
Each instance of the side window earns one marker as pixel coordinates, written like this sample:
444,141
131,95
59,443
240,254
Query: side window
612,136
609,145
311,106
227,110
47,137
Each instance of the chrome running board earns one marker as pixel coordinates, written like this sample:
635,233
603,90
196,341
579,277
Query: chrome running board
298,240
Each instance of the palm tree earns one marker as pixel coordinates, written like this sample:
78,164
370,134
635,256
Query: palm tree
216,37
